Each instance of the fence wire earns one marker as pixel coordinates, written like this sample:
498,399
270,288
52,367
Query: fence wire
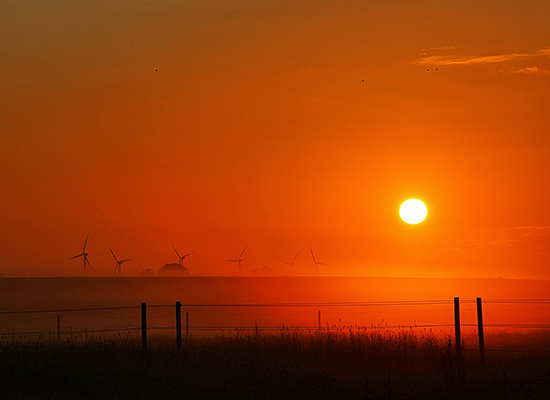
327,327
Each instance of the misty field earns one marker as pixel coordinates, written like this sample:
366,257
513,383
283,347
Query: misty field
288,364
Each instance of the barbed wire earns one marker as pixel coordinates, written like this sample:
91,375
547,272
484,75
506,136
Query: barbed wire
297,305
300,304
327,327
281,328
69,310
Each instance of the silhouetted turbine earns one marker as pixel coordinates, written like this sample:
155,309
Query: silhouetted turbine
291,263
182,257
84,254
239,260
118,263
315,262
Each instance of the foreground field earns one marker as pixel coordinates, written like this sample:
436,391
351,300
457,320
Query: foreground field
285,365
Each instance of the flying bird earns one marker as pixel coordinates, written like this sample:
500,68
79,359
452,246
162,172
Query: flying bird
118,262
239,260
84,255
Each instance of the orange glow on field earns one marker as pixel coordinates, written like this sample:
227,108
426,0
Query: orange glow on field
422,305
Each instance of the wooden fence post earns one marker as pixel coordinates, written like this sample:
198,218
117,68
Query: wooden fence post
178,325
186,324
144,326
481,339
458,344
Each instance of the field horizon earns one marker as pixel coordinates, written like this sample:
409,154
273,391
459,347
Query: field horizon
201,289
232,302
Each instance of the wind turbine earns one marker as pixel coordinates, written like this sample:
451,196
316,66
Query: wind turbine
239,260
291,263
118,263
315,262
84,254
181,257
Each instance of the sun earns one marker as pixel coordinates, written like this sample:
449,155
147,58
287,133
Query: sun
413,211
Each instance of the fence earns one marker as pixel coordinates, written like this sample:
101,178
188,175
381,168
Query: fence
166,321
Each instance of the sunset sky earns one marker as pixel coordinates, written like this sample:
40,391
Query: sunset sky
211,125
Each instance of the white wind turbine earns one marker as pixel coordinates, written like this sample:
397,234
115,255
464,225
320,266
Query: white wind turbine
239,260
84,254
118,262
291,263
315,262
182,257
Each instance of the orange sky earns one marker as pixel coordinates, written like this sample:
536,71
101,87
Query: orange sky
215,125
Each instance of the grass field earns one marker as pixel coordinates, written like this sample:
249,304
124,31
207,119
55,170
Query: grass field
289,364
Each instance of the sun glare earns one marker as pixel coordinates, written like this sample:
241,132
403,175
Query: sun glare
413,211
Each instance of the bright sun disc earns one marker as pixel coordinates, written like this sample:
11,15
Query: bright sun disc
413,211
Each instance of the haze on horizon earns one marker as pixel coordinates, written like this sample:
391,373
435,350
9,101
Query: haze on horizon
278,125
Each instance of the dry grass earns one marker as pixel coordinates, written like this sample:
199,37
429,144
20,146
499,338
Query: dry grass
287,364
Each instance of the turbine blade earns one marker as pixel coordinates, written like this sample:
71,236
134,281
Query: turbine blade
80,255
285,262
188,254
243,251
128,259
176,251
312,255
113,253
233,260
86,241
296,256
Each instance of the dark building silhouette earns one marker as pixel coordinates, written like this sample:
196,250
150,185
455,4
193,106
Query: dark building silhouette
173,269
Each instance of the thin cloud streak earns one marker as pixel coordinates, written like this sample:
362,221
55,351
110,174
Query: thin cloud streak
532,70
533,230
431,49
468,60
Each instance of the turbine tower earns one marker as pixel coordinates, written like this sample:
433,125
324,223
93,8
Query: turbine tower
239,260
84,255
315,262
291,263
182,257
118,263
